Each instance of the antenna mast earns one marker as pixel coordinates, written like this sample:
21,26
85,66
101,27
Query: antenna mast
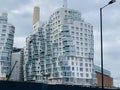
65,3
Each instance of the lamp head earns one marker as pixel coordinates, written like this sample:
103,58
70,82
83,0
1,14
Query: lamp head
112,1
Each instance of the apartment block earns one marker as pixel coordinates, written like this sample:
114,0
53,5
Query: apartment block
6,43
61,50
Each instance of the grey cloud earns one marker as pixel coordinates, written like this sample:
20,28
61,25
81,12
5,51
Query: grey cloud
8,4
23,26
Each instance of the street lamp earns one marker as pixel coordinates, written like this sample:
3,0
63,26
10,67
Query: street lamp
111,2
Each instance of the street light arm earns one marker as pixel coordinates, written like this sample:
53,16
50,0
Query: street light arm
104,6
110,2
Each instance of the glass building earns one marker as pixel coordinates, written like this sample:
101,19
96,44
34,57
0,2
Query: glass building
60,51
6,44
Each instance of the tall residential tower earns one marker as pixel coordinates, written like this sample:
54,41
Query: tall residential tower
6,44
62,50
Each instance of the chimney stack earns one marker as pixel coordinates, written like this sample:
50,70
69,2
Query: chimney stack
5,14
65,3
36,15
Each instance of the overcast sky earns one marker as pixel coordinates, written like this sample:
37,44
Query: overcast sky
20,14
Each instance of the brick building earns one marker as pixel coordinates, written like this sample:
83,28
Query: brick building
108,80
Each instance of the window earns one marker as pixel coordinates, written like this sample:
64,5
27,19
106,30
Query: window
57,12
77,28
81,39
81,64
72,58
81,74
72,28
73,37
67,68
90,65
82,53
85,30
72,68
86,39
85,25
77,48
78,53
69,11
81,43
4,26
85,35
81,69
68,58
86,54
72,63
2,34
86,69
12,27
73,74
81,29
86,44
65,27
86,49
77,33
81,59
58,21
3,57
72,33
1,44
2,39
65,11
81,34
86,64
77,38
3,30
81,24
87,75
77,43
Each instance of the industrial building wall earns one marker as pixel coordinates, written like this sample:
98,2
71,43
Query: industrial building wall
108,81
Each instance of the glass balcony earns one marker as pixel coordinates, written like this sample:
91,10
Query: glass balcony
67,43
67,53
67,39
69,48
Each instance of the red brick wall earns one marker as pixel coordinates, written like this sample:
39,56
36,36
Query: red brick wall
108,81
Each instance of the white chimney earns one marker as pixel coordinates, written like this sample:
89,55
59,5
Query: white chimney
65,3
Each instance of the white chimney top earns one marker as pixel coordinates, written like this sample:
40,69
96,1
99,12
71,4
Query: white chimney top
65,3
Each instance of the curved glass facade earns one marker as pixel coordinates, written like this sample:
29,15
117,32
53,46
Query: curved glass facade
6,43
65,49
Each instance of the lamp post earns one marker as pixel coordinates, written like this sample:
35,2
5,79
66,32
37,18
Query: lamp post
101,37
